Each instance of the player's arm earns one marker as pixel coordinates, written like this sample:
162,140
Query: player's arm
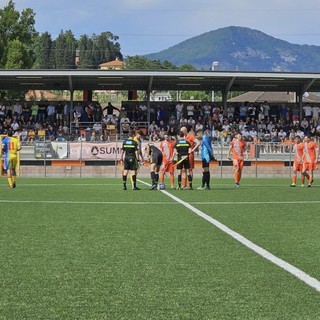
196,145
229,152
122,155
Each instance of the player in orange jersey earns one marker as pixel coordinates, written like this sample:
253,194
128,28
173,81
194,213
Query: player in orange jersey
238,147
194,144
310,158
298,149
167,148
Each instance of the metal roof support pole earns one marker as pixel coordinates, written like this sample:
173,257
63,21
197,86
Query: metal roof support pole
148,100
224,101
71,109
299,96
148,108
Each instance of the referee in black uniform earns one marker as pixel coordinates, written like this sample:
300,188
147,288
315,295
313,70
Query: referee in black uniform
129,158
155,158
183,149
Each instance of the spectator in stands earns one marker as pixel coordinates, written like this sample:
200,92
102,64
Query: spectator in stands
23,135
42,113
51,133
190,110
179,110
66,112
304,124
243,111
77,113
183,122
59,114
162,126
159,114
266,110
172,121
82,138
15,125
31,136
125,125
97,113
110,110
51,113
206,109
274,112
152,128
17,110
25,115
198,111
198,126
173,132
191,122
34,112
307,112
315,115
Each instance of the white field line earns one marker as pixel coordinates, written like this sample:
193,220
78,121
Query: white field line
301,275
86,202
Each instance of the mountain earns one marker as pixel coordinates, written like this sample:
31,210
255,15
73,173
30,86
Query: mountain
239,48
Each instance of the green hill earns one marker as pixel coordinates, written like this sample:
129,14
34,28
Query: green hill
243,49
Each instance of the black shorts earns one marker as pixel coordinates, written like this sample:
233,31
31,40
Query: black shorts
157,159
130,164
205,164
185,164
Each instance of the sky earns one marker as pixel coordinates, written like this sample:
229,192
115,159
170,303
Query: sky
149,26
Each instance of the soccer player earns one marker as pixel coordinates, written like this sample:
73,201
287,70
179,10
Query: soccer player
238,147
183,149
310,158
167,149
298,149
137,138
155,158
129,158
11,147
194,144
206,157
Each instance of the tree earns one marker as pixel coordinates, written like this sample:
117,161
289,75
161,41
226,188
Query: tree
43,51
65,51
85,45
16,26
105,48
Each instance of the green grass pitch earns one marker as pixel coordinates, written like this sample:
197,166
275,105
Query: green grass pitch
86,249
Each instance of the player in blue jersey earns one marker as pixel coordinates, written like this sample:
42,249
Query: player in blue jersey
10,147
206,157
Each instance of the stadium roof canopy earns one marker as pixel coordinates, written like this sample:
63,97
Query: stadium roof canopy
159,80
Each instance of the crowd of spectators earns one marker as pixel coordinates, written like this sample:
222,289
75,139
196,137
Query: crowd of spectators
257,122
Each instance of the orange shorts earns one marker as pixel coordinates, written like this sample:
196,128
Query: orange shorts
168,167
238,164
297,166
309,166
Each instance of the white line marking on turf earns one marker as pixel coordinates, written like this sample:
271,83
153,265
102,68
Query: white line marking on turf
85,202
304,277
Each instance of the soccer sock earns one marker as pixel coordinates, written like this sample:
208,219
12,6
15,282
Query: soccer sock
179,180
156,177
190,180
294,179
171,179
153,178
134,180
208,178
124,180
204,178
184,180
10,181
236,177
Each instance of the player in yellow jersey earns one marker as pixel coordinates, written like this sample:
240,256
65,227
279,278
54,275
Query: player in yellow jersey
10,147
